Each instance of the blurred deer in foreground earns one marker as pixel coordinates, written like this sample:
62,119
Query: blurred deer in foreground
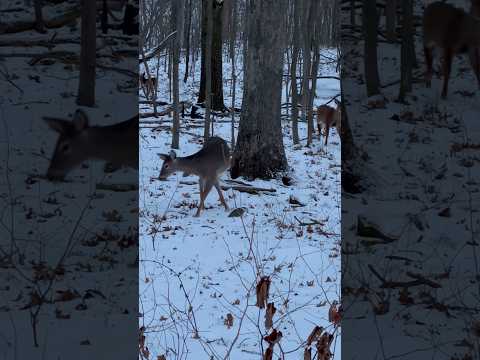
78,142
453,31
326,117
208,164
148,84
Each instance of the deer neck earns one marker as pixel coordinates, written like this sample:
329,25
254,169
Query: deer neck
101,142
186,164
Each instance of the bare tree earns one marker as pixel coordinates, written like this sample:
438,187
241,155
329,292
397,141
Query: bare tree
407,55
233,36
88,56
390,19
293,70
177,19
208,67
188,27
352,13
259,152
215,11
369,23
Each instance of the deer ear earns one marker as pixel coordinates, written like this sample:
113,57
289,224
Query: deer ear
163,156
173,154
80,120
58,125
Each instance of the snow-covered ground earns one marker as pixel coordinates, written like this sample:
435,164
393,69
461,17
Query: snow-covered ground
424,194
196,271
71,224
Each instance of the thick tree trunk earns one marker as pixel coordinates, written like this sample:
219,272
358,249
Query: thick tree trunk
293,72
86,86
390,19
177,17
369,23
406,51
233,36
208,69
187,40
352,13
216,13
259,152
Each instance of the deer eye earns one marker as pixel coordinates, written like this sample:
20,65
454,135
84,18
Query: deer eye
166,166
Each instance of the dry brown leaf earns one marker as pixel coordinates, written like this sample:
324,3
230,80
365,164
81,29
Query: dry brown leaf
228,321
268,354
262,290
274,337
307,354
333,314
269,315
314,335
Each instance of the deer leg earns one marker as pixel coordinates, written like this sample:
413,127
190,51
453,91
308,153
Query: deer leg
447,68
201,204
327,131
207,186
220,194
429,62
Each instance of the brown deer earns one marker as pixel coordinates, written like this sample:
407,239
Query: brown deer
78,142
454,31
326,117
148,84
208,164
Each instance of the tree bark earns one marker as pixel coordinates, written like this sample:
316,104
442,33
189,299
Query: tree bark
259,152
86,86
352,13
177,17
293,72
406,66
187,40
233,37
215,10
390,20
208,69
369,23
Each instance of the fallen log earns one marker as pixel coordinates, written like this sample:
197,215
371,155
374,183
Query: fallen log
116,187
53,23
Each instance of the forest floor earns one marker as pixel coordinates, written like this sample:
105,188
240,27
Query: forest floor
194,272
47,227
423,174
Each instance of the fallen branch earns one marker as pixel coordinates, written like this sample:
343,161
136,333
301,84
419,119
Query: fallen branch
419,280
116,187
159,48
248,189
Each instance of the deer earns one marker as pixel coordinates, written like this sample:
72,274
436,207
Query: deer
455,32
149,84
208,164
326,117
78,141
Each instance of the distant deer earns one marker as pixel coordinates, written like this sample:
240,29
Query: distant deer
208,164
455,32
326,117
78,142
149,84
